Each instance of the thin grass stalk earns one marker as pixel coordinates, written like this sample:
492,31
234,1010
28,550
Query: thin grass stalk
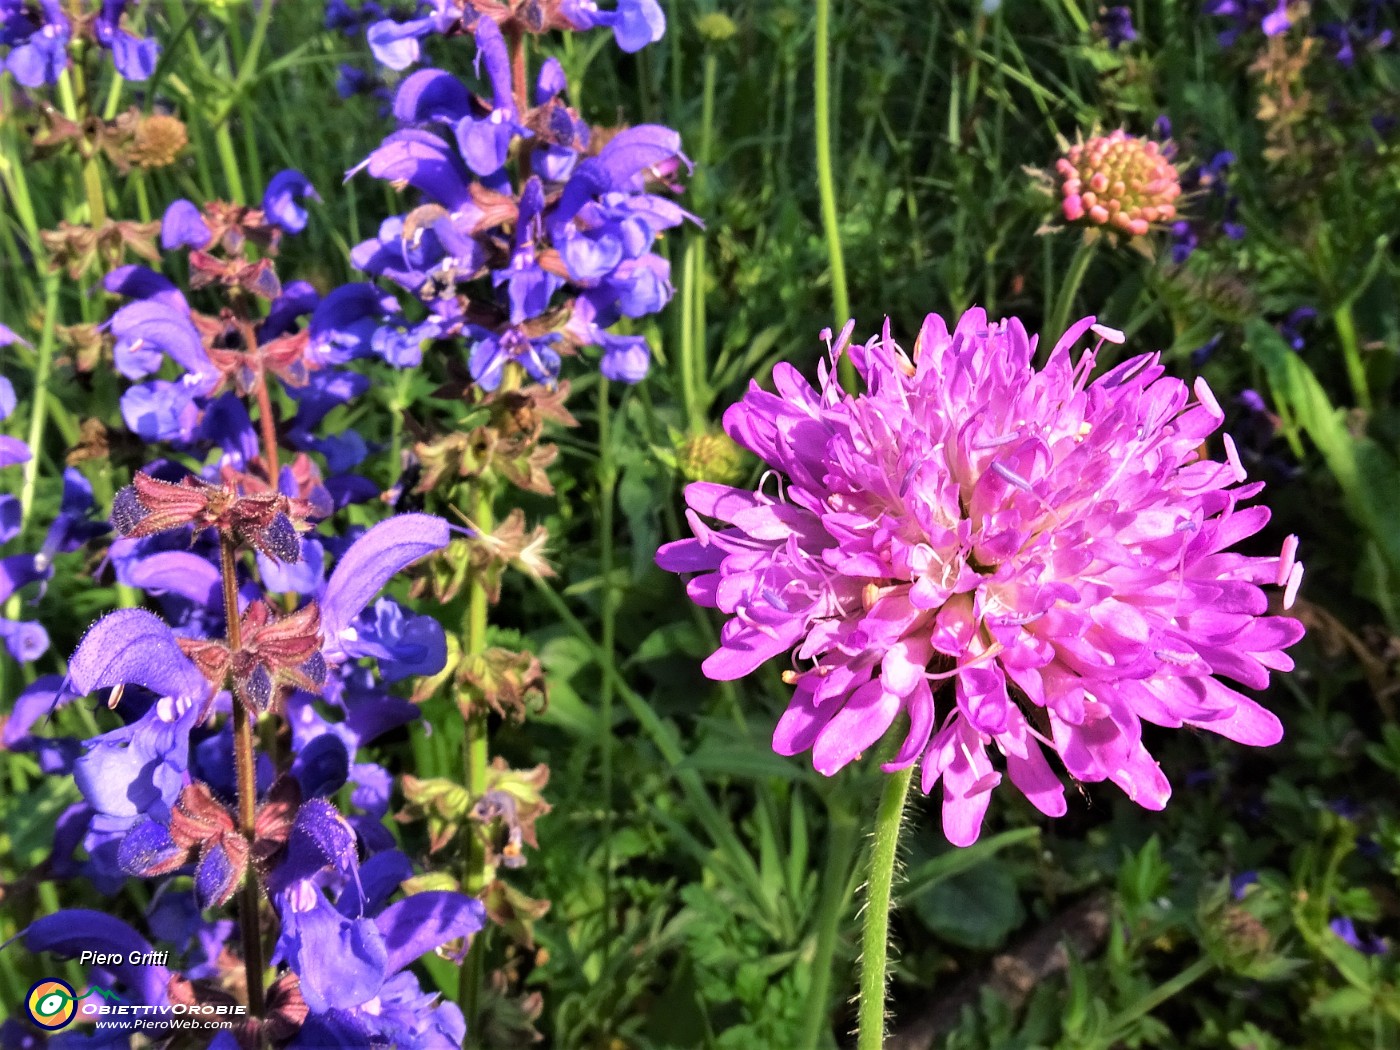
826,187
476,760
1345,325
1069,290
607,486
842,841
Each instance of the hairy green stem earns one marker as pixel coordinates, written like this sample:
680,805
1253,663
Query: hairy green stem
244,765
875,937
840,298
831,908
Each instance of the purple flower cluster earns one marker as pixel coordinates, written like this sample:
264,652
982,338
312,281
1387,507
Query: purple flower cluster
352,80
1270,16
1048,553
351,21
259,618
1364,30
222,360
634,23
158,790
525,264
35,35
1116,25
1207,182
27,640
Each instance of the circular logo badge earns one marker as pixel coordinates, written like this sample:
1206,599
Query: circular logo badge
51,1004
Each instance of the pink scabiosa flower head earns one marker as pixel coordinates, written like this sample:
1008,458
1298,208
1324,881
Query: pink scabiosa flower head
1117,182
1016,560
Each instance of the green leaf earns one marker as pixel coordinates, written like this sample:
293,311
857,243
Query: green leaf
1368,476
954,862
1344,1002
683,638
723,759
976,909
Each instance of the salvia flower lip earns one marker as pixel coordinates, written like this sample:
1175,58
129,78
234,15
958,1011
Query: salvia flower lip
1007,556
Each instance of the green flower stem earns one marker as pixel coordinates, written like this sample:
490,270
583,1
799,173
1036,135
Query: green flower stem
228,160
698,361
607,486
476,758
693,362
12,171
477,610
1345,324
875,937
689,353
246,56
831,908
840,298
1069,290
143,200
72,94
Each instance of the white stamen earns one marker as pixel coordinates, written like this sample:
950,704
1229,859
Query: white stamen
1232,456
1207,398
1295,579
962,746
1171,657
1108,334
1286,558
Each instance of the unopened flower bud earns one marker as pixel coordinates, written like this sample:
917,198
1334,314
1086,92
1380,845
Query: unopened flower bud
711,457
1120,181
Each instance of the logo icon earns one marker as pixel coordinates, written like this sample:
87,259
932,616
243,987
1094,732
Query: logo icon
51,1004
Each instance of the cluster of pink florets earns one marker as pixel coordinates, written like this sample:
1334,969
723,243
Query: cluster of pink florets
1120,181
1019,562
